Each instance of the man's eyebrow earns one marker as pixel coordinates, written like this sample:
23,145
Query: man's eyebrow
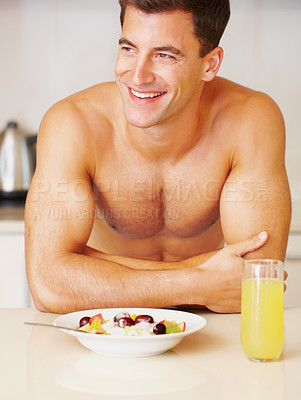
169,49
126,41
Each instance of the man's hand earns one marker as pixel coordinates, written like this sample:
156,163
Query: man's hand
225,269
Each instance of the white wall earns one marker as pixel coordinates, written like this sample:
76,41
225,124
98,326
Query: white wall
52,48
263,51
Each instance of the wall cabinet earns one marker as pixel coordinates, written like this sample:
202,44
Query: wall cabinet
294,246
292,296
13,283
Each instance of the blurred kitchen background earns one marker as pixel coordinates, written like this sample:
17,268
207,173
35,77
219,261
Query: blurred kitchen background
52,48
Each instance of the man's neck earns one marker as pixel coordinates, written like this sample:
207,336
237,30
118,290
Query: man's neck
170,140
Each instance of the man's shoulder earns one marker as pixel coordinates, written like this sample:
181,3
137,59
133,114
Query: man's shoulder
251,120
243,104
245,115
85,111
82,121
95,99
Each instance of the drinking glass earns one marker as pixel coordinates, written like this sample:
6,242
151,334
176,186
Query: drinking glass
262,331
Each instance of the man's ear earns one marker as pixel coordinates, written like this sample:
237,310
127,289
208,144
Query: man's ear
212,63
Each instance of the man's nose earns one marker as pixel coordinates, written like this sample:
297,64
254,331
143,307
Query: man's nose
142,71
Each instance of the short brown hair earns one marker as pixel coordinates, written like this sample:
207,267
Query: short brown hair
210,17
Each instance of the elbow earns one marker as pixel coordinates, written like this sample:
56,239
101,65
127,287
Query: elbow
42,283
44,299
45,302
43,287
40,300
39,305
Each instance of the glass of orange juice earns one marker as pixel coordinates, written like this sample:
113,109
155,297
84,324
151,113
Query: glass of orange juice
262,331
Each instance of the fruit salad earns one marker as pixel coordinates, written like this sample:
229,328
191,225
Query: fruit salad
124,324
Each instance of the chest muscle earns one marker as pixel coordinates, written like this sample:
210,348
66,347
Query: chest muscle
139,202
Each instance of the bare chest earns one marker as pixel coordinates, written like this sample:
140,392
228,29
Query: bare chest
138,200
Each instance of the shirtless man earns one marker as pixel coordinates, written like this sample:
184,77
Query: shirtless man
140,183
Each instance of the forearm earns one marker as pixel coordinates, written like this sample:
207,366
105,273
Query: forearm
142,264
81,282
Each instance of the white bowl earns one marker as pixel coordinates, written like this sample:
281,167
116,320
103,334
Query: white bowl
131,346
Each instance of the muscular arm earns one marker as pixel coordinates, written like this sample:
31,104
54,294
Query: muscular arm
64,275
256,195
136,263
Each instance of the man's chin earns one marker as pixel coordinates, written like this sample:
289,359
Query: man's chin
139,121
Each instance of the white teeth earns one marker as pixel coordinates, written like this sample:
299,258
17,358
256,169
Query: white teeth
145,95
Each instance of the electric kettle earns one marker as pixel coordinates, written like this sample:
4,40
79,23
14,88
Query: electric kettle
17,159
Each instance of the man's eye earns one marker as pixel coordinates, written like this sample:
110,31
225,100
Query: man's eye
166,56
163,57
127,49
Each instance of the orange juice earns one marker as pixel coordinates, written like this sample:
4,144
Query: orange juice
262,318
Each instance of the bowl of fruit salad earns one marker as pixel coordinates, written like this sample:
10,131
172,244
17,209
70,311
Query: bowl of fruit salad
131,332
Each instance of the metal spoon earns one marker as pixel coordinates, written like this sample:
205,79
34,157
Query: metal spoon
53,326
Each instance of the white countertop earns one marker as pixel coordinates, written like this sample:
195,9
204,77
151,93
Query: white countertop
44,363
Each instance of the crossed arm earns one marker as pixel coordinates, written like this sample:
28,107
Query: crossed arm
65,275
256,194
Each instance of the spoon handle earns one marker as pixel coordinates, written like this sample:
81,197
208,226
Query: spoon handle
53,326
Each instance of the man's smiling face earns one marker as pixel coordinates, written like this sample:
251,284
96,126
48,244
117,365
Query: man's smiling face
158,69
